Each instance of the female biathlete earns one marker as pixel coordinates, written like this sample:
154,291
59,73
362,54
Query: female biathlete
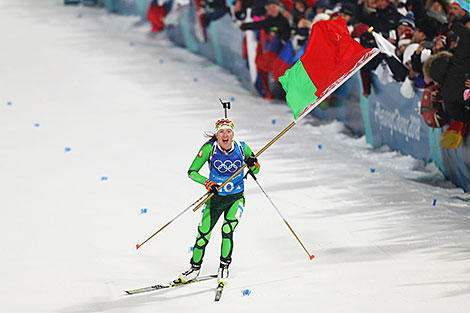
225,156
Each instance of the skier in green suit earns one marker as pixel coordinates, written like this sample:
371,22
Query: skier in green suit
224,156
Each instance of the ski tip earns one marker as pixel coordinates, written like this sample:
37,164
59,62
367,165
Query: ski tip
311,257
137,246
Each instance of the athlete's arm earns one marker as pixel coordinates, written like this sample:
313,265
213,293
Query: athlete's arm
201,158
249,153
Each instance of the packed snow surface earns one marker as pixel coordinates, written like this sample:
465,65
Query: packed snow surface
99,120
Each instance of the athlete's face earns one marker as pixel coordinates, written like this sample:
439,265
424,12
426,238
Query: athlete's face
225,138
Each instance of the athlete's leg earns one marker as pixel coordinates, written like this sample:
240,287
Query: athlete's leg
232,217
209,218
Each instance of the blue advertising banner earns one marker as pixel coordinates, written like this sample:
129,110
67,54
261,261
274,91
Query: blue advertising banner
395,121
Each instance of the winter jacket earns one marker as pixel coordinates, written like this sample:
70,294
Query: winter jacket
449,72
279,24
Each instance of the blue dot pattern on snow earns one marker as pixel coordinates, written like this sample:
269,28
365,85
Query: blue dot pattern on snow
67,149
274,122
104,178
246,292
372,170
143,211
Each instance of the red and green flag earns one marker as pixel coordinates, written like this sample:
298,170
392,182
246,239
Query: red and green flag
332,56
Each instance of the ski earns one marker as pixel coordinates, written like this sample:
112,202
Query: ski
172,284
220,288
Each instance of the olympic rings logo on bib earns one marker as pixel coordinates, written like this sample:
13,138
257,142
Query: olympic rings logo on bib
227,166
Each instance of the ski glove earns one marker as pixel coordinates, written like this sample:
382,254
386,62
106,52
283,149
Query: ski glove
251,161
211,187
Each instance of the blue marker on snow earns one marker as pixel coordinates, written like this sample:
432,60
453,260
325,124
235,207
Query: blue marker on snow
195,79
67,149
372,170
131,44
246,292
273,122
320,147
162,61
9,103
36,125
143,211
434,202
103,178
232,99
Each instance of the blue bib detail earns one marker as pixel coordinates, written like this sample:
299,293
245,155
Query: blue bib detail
223,166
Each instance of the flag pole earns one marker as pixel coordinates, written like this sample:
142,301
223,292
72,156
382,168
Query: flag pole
304,113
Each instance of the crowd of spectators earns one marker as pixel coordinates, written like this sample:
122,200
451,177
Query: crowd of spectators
425,44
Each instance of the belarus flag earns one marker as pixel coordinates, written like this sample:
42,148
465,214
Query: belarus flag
332,56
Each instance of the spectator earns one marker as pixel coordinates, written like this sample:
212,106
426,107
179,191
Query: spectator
347,12
437,10
365,11
274,22
387,19
403,42
456,13
426,30
407,22
300,24
278,33
449,71
466,93
216,9
382,15
408,88
257,7
320,7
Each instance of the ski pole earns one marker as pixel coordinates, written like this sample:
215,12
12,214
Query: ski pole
171,221
311,256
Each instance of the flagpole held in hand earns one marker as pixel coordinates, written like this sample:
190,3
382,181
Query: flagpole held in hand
340,56
311,256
